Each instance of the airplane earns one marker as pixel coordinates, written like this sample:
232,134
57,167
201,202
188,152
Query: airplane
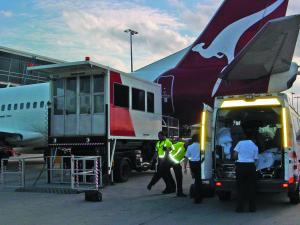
24,115
189,76
247,47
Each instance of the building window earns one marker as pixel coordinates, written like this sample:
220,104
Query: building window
138,99
121,95
3,108
27,105
34,105
150,102
22,106
9,107
15,106
42,104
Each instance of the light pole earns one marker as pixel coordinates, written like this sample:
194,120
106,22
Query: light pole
131,33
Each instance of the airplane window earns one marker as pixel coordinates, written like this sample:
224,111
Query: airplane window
2,107
42,103
22,106
9,107
27,105
34,105
15,106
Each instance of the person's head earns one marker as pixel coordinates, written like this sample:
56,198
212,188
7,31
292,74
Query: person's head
161,135
248,133
195,138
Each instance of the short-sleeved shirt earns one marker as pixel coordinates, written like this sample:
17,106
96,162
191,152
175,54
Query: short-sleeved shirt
193,152
247,151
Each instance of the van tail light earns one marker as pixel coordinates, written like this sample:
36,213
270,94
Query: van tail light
218,184
285,185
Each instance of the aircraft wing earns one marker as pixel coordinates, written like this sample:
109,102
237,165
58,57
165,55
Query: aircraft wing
269,52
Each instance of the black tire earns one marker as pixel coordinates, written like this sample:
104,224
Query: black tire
122,171
294,196
224,196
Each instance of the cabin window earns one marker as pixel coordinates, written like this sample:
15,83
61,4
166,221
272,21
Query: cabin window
27,105
9,107
3,108
85,91
121,95
59,106
42,104
71,100
150,102
58,88
15,106
34,105
98,84
21,105
98,103
138,99
98,94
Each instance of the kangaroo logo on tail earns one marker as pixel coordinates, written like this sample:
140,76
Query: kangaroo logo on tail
224,44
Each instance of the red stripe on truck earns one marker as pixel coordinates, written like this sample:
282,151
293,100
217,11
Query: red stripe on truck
120,119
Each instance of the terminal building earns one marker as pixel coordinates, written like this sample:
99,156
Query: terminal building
13,67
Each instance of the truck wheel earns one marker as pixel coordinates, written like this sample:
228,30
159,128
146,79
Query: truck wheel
224,195
294,196
122,171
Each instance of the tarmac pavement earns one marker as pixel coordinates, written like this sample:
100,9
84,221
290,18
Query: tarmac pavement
131,203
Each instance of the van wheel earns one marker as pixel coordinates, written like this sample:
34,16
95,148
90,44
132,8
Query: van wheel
122,171
294,196
224,195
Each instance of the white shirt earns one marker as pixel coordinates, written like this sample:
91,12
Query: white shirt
193,152
247,151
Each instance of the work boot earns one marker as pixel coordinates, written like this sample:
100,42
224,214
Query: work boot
149,186
168,191
181,194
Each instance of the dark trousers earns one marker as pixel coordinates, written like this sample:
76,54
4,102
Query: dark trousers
178,176
196,172
163,171
246,184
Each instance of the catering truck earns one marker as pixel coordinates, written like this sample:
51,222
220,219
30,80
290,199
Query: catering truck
275,126
95,110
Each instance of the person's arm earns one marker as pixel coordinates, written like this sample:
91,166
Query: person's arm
235,152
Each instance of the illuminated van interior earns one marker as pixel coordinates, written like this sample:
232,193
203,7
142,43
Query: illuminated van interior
265,124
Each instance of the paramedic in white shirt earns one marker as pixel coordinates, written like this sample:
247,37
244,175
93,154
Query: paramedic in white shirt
194,157
246,153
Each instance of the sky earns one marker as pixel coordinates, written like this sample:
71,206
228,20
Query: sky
72,29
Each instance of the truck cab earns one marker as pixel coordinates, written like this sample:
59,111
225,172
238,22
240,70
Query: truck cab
275,128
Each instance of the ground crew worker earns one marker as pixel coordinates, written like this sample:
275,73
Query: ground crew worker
163,147
176,156
194,157
246,152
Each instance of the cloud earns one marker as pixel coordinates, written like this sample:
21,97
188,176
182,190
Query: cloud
6,13
98,28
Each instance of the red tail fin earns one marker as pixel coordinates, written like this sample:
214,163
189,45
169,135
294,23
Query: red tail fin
234,24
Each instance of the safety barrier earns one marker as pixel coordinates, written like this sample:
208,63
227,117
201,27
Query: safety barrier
74,172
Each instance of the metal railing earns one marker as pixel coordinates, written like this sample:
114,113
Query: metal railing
76,172
171,126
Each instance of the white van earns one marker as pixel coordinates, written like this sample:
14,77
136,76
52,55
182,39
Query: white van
275,125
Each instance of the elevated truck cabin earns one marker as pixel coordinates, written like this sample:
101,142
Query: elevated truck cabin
276,130
97,110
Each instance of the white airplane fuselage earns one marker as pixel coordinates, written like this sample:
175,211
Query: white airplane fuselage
24,115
